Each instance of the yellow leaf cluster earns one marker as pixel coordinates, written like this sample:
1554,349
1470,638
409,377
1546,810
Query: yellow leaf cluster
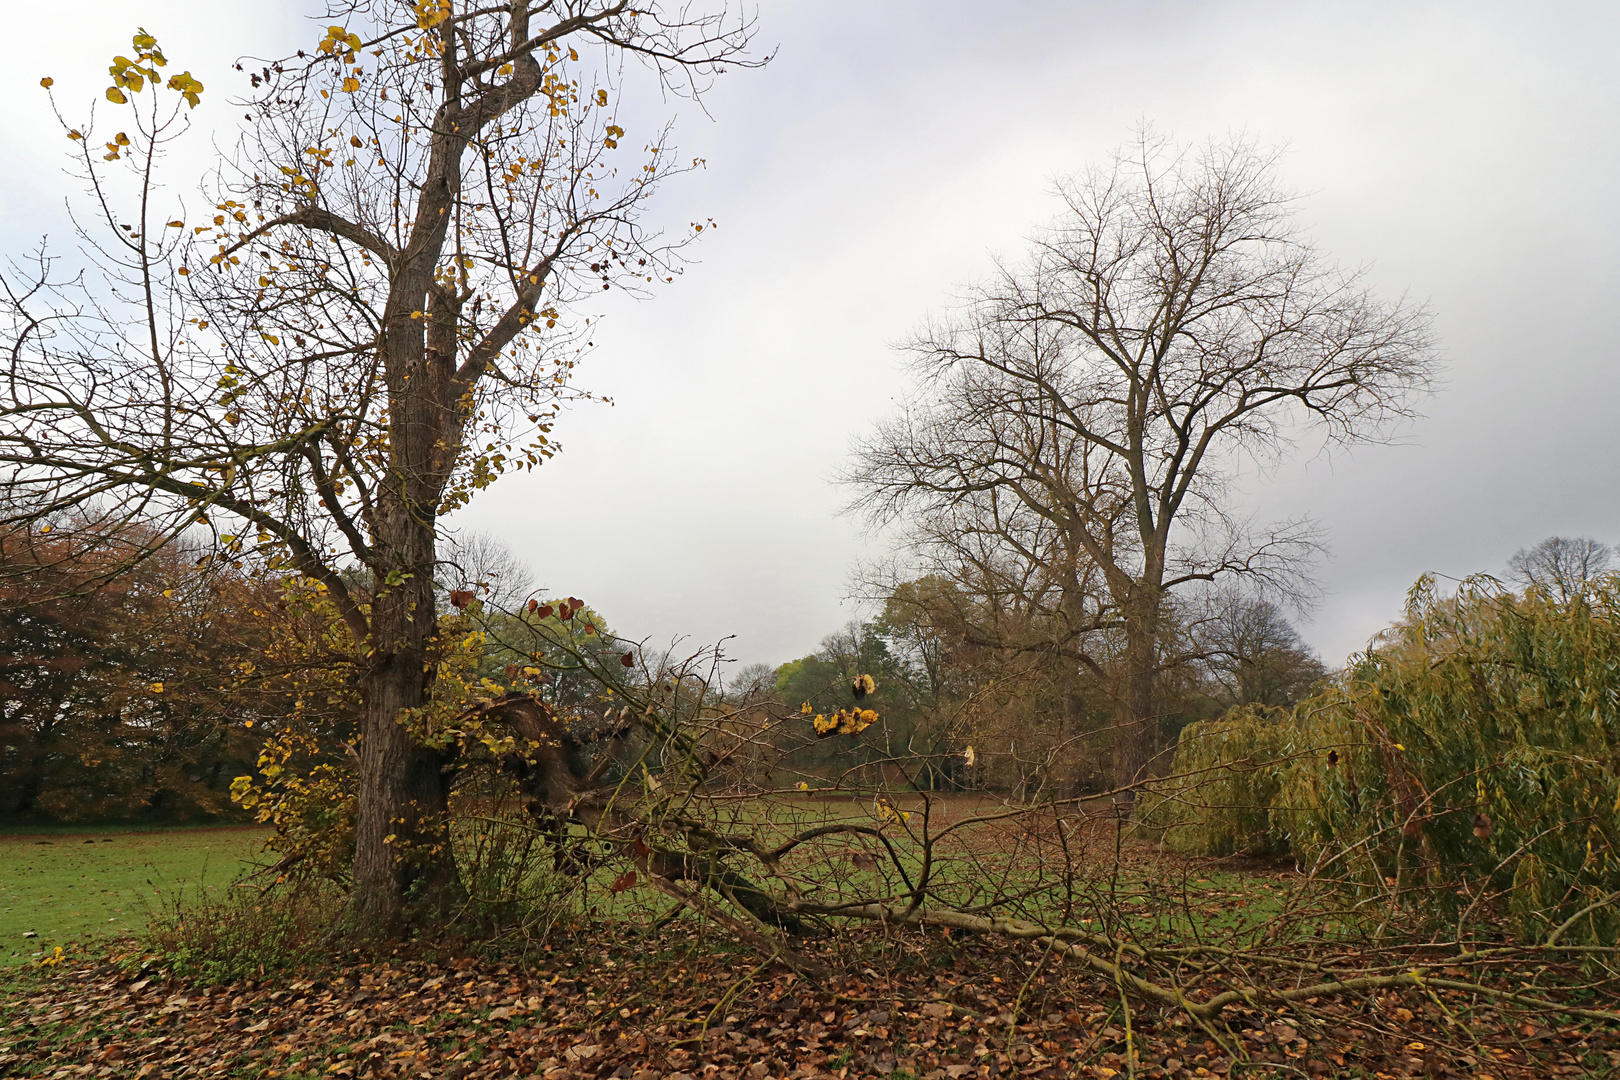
189,87
890,813
339,40
844,722
430,13
133,74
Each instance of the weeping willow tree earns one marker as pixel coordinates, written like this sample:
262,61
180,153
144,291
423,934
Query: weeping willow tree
1466,763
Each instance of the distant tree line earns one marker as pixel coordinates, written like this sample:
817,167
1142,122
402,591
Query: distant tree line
956,671
119,678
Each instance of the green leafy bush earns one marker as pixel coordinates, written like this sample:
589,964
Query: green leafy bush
1223,787
1468,762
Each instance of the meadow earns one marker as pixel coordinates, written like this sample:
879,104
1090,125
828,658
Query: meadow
77,886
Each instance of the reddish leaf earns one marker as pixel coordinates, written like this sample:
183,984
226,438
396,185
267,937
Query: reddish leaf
544,611
534,605
460,598
624,881
628,660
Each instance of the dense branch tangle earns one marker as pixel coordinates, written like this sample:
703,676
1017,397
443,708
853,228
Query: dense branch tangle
698,796
372,322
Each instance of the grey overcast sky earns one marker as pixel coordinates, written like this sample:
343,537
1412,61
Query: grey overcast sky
1465,151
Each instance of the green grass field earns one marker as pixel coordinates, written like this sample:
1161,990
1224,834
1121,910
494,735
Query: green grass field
75,885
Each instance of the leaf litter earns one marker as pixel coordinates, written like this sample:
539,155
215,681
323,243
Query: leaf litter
907,1005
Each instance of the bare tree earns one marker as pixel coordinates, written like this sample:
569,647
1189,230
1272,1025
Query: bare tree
1174,323
1561,566
1254,655
751,683
370,322
485,564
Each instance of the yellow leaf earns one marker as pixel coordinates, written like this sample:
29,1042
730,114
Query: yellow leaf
47,82
75,134
157,688
354,140
168,592
271,338
176,224
188,86
601,97
574,56
803,786
970,756
116,96
430,13
350,85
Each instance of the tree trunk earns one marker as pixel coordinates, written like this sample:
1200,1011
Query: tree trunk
404,868
1134,701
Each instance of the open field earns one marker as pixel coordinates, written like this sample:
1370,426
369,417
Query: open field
77,885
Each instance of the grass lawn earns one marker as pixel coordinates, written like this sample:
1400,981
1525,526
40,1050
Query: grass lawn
76,885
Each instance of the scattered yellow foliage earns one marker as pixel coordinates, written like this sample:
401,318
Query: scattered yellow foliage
844,722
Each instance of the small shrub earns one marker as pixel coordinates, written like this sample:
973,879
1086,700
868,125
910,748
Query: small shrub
508,870
243,934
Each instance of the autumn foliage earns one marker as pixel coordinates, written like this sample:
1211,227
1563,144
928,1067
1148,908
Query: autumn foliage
1464,765
117,677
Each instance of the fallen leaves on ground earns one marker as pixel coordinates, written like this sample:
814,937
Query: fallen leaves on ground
909,1005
